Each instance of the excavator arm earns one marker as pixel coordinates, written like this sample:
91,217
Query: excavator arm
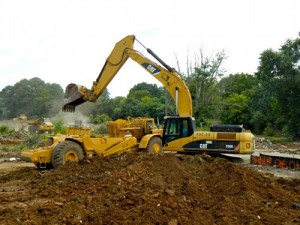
168,77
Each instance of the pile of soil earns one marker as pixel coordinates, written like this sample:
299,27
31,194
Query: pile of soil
137,188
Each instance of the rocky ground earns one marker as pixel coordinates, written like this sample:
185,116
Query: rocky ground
137,188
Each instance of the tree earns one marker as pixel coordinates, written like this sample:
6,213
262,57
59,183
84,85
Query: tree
201,80
152,89
6,102
279,76
59,127
236,93
149,100
33,97
119,104
99,119
236,110
143,100
102,105
236,84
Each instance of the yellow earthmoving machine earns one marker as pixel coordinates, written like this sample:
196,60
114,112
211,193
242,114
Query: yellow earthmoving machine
124,135
179,133
41,126
38,126
137,127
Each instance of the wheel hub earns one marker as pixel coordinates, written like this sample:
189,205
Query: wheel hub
156,148
71,156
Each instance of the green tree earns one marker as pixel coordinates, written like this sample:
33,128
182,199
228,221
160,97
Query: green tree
236,110
152,89
99,119
201,80
102,105
149,100
279,76
119,104
33,97
59,127
236,84
143,100
236,92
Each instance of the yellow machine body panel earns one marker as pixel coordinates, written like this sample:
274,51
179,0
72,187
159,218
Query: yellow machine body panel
213,142
42,155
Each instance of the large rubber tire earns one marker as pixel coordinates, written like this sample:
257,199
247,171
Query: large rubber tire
66,151
154,146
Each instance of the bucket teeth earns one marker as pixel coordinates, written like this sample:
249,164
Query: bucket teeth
68,108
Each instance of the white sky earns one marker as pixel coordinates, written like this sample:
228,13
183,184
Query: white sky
68,41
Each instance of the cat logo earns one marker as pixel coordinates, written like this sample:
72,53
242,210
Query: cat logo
152,69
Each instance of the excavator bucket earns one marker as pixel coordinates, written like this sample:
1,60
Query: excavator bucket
74,95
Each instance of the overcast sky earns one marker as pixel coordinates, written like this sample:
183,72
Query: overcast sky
68,41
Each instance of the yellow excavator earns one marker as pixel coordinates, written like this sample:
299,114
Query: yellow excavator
179,133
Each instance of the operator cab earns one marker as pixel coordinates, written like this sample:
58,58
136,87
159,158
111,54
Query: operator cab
177,127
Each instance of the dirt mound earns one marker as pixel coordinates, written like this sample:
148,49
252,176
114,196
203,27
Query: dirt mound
137,188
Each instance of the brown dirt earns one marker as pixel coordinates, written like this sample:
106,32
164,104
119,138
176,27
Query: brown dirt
137,188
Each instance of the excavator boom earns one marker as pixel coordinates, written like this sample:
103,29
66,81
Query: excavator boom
77,94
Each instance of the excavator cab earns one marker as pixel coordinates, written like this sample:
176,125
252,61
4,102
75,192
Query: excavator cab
177,127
